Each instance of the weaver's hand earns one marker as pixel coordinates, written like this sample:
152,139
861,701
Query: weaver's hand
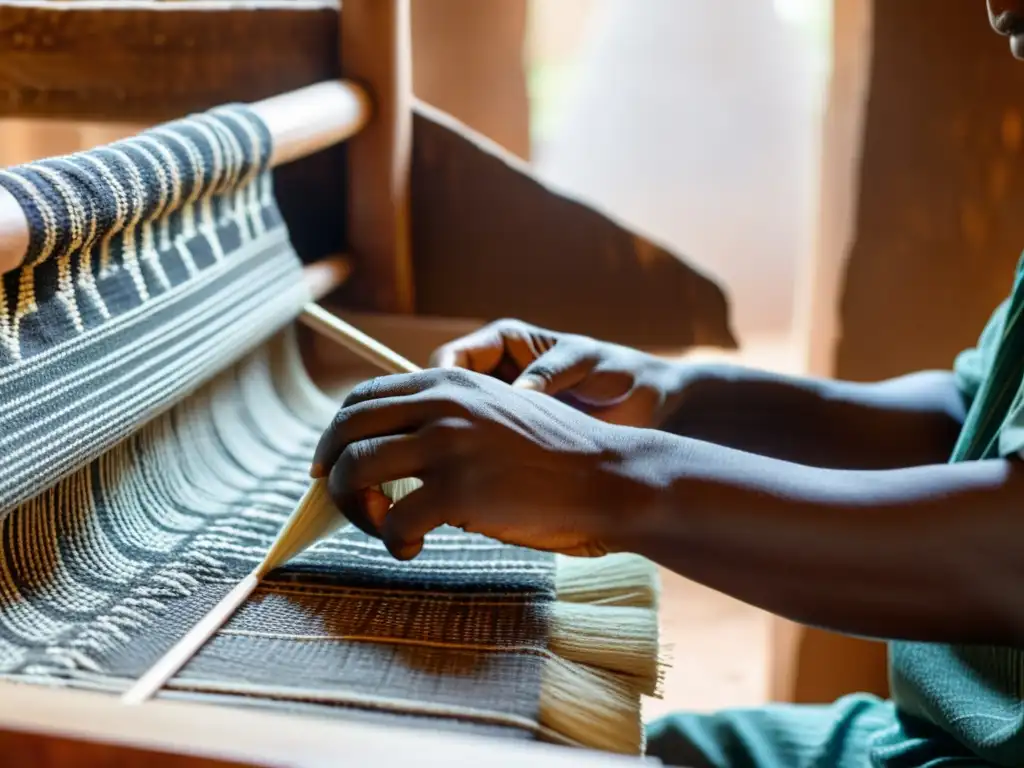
509,463
610,382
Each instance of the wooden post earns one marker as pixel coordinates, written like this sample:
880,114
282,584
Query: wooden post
467,61
376,50
938,228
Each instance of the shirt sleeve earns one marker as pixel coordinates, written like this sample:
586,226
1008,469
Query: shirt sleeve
972,365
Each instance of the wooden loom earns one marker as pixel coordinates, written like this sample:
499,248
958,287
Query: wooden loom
436,221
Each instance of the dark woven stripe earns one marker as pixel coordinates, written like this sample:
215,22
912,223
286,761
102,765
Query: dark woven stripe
64,414
350,714
155,262
103,573
207,154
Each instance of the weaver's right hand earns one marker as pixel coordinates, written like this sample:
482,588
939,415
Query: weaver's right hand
615,384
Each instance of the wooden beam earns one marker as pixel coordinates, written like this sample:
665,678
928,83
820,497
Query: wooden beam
44,751
820,281
938,228
376,49
491,240
152,60
809,665
190,735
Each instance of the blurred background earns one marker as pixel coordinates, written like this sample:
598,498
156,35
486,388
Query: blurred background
682,118
734,139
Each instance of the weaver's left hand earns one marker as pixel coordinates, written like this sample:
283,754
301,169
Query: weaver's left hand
509,463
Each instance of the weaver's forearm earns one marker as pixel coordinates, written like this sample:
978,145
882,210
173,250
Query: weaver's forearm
908,421
928,553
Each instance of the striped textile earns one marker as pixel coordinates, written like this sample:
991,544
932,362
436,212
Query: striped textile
156,430
101,573
154,263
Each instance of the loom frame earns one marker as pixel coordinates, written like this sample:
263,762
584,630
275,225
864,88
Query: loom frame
418,187
473,210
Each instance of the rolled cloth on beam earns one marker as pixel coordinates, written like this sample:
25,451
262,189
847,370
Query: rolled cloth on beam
153,264
157,428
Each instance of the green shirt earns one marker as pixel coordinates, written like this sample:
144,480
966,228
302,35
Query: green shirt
952,706
969,700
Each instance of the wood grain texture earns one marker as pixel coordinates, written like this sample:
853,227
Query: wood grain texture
468,61
490,240
153,61
376,50
938,228
182,733
39,751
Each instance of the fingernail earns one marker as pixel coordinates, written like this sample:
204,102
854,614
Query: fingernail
376,505
316,471
404,550
527,382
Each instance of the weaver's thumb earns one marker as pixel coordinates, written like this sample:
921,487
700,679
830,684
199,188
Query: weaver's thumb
560,368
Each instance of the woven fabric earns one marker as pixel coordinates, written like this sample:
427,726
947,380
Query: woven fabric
105,570
157,428
154,263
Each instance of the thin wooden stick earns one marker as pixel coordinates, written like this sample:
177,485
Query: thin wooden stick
324,276
179,655
313,519
301,122
366,347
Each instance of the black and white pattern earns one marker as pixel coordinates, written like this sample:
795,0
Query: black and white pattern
105,570
154,441
154,263
156,428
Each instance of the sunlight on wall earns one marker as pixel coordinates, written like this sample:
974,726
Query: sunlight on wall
557,31
808,13
698,122
814,20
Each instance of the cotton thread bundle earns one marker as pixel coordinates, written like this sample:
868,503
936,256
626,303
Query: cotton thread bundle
593,707
622,579
622,640
603,639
